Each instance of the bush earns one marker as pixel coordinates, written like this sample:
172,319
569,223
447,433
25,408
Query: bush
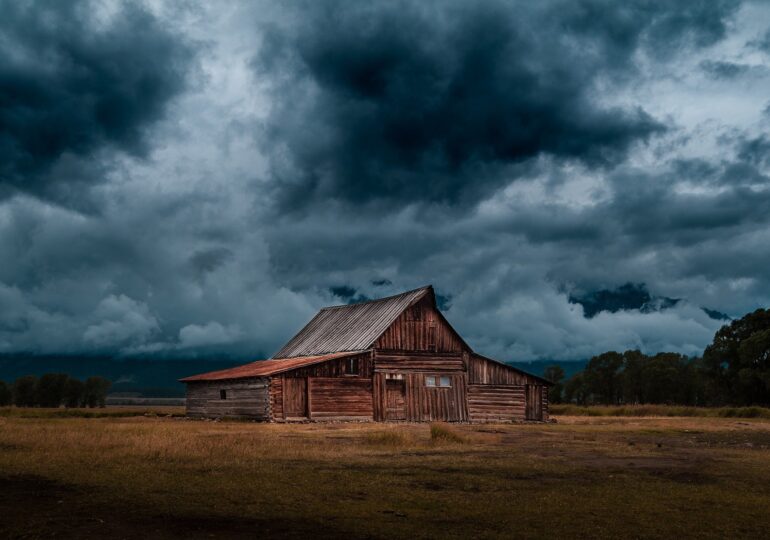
440,433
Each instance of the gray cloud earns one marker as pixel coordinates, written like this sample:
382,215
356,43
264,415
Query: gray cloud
73,83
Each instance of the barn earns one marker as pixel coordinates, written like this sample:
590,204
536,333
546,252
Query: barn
392,359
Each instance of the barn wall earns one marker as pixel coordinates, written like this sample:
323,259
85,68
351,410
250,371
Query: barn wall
499,393
420,328
398,362
340,398
335,368
245,398
329,392
495,403
483,371
424,404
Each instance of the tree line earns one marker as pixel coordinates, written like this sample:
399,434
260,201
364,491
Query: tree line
55,390
733,370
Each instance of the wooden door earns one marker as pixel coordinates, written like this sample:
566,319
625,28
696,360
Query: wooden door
295,397
533,402
395,399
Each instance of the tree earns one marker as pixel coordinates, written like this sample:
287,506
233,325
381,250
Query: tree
50,389
6,396
95,391
738,360
24,391
603,379
575,389
74,393
555,374
633,376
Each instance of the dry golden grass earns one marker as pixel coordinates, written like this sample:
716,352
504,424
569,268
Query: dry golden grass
583,477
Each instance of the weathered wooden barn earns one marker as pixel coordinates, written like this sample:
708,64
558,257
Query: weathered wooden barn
393,359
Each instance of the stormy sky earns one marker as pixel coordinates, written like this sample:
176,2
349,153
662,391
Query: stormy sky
197,179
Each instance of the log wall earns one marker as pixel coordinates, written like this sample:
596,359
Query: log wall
340,398
495,403
248,398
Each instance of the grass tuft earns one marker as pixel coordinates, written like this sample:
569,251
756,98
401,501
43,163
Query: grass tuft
441,433
387,438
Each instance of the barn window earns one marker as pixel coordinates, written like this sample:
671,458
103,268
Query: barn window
435,381
223,394
352,366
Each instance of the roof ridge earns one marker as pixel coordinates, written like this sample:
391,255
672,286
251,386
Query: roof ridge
374,300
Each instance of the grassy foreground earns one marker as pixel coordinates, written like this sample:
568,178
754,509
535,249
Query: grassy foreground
583,477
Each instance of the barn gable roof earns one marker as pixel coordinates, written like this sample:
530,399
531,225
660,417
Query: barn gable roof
351,327
266,368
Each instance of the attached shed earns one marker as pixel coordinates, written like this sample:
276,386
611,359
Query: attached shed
392,359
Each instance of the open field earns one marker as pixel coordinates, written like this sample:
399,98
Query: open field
583,477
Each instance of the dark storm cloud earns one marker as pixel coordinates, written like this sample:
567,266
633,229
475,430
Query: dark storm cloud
435,101
72,84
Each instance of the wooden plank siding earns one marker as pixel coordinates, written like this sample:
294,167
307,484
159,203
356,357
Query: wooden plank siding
341,398
248,398
420,328
328,391
495,403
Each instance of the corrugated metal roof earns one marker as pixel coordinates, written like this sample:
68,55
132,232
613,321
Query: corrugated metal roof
265,368
352,327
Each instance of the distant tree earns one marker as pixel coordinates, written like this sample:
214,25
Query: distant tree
6,396
663,378
633,376
602,377
95,391
737,363
24,391
555,374
575,390
74,393
50,389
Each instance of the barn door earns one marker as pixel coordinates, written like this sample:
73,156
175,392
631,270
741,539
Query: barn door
395,399
295,397
534,402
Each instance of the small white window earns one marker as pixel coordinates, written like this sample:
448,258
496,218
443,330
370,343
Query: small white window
352,366
444,382
430,381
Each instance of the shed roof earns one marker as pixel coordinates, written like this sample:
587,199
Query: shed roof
265,368
352,327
